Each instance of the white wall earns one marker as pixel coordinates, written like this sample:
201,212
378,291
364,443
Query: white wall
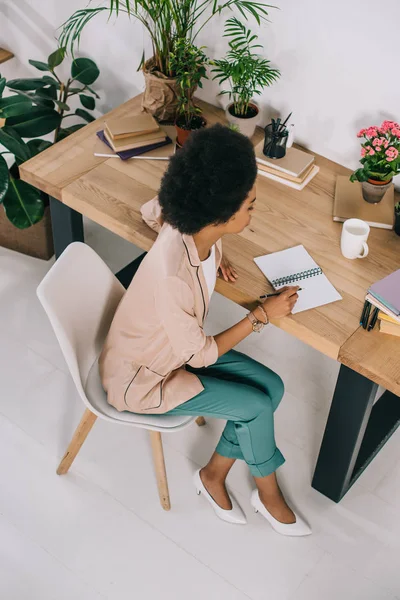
339,62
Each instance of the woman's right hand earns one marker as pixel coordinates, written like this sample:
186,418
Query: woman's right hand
280,306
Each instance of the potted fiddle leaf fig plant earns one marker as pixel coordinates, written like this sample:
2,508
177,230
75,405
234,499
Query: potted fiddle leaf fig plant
164,21
380,160
189,64
38,107
247,74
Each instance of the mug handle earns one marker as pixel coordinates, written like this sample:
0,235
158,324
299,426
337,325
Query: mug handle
366,250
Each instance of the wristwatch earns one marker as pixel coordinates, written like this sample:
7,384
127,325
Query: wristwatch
256,324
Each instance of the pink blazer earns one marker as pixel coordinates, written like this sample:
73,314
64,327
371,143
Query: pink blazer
158,326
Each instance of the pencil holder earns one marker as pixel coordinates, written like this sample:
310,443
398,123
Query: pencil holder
275,141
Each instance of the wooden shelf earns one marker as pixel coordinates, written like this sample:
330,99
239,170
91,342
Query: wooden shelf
5,55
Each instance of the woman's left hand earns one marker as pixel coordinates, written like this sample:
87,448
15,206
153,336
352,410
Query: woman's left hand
227,271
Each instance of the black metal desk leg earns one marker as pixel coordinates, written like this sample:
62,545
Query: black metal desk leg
67,226
348,418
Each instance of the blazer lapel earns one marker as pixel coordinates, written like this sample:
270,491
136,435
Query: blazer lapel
202,299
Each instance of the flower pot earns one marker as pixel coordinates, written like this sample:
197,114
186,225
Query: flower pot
397,223
373,190
246,125
160,94
182,133
36,241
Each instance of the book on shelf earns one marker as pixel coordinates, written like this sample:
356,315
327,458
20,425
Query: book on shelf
136,141
390,328
126,154
349,203
294,163
131,126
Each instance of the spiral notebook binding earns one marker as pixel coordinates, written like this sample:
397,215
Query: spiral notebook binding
297,277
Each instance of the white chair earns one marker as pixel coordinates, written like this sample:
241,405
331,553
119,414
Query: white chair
80,296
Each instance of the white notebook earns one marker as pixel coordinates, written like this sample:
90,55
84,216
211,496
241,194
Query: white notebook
295,266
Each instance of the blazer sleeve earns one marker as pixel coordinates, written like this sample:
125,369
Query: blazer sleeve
151,214
174,305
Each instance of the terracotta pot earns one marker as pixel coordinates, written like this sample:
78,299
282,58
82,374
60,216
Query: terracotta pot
246,125
373,190
183,134
159,98
36,241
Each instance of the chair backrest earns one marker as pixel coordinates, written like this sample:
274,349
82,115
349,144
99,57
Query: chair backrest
80,296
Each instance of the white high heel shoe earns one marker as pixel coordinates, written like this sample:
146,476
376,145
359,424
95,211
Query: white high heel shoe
234,515
299,528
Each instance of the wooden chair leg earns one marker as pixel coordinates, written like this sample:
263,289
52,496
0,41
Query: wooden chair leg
80,435
200,421
159,466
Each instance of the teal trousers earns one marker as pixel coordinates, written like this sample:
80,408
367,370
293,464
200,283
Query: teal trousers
246,393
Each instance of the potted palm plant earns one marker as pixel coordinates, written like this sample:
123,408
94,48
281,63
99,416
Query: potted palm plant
247,73
38,107
165,21
380,160
189,64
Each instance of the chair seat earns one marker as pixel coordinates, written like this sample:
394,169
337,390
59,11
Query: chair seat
98,399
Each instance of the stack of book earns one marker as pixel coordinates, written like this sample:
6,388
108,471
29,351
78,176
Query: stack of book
388,324
295,169
385,295
130,136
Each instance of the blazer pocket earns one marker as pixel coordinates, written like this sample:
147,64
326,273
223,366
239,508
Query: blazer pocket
144,391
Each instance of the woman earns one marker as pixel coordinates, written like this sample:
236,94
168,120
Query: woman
157,358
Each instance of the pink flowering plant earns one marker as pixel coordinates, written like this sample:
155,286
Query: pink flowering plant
380,153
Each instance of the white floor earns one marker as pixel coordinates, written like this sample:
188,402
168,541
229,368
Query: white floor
99,531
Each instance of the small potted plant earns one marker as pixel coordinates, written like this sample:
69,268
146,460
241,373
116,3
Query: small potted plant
379,158
247,73
397,218
189,64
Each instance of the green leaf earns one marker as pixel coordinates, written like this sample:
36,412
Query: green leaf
23,204
38,121
51,81
93,92
62,105
11,140
87,101
56,58
4,178
26,84
63,133
37,146
2,85
48,92
84,115
14,105
42,66
84,70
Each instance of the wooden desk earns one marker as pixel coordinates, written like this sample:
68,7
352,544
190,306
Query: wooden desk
111,192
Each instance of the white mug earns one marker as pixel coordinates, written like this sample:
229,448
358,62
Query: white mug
353,243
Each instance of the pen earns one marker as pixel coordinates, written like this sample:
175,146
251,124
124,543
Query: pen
374,319
275,294
364,310
366,316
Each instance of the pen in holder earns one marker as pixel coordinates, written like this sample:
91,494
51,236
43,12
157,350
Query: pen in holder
277,139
